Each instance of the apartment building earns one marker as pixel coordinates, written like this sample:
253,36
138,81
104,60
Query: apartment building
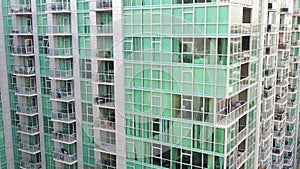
141,84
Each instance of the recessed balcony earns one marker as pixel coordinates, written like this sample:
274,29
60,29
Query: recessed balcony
20,9
61,74
104,29
24,71
63,116
68,159
25,91
60,30
27,110
60,53
26,164
66,138
58,7
103,54
62,95
30,149
29,130
104,77
103,5
22,50
105,101
21,30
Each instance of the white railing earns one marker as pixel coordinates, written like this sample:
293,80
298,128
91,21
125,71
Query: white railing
24,90
58,6
62,95
29,148
24,70
28,129
57,73
65,157
27,109
64,137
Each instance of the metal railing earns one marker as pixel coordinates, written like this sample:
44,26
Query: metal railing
29,148
22,50
60,29
64,137
102,54
58,6
20,8
107,77
62,95
62,116
60,51
27,109
65,157
63,74
24,90
24,70
28,129
30,165
104,4
21,29
105,100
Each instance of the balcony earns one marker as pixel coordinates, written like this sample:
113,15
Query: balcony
265,152
266,132
268,91
105,147
103,4
30,149
291,103
105,124
292,89
63,116
103,54
246,28
25,91
62,53
104,77
64,137
61,30
105,101
295,43
269,71
24,71
290,133
281,82
290,117
58,7
61,74
242,156
25,164
29,130
60,95
289,147
267,114
242,134
65,158
288,160
238,109
284,10
20,9
294,58
27,110
22,50
284,46
293,74
282,64
106,29
277,164
21,30
278,149
279,133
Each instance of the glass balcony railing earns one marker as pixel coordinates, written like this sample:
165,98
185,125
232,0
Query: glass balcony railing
24,90
22,50
104,77
61,74
104,4
21,29
62,95
20,8
60,52
60,29
24,70
58,7
26,164
104,29
28,110
102,54
67,158
30,148
105,124
105,100
28,129
64,137
63,116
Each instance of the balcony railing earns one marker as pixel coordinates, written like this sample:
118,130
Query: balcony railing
21,29
30,148
106,147
20,8
24,70
62,95
104,77
242,134
30,165
63,115
60,29
60,52
266,153
268,91
235,111
58,7
102,54
279,116
29,110
67,158
22,50
104,4
24,90
103,164
105,100
293,73
288,160
104,29
283,46
279,133
246,27
278,150
241,159
28,129
266,132
105,124
63,137
61,74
